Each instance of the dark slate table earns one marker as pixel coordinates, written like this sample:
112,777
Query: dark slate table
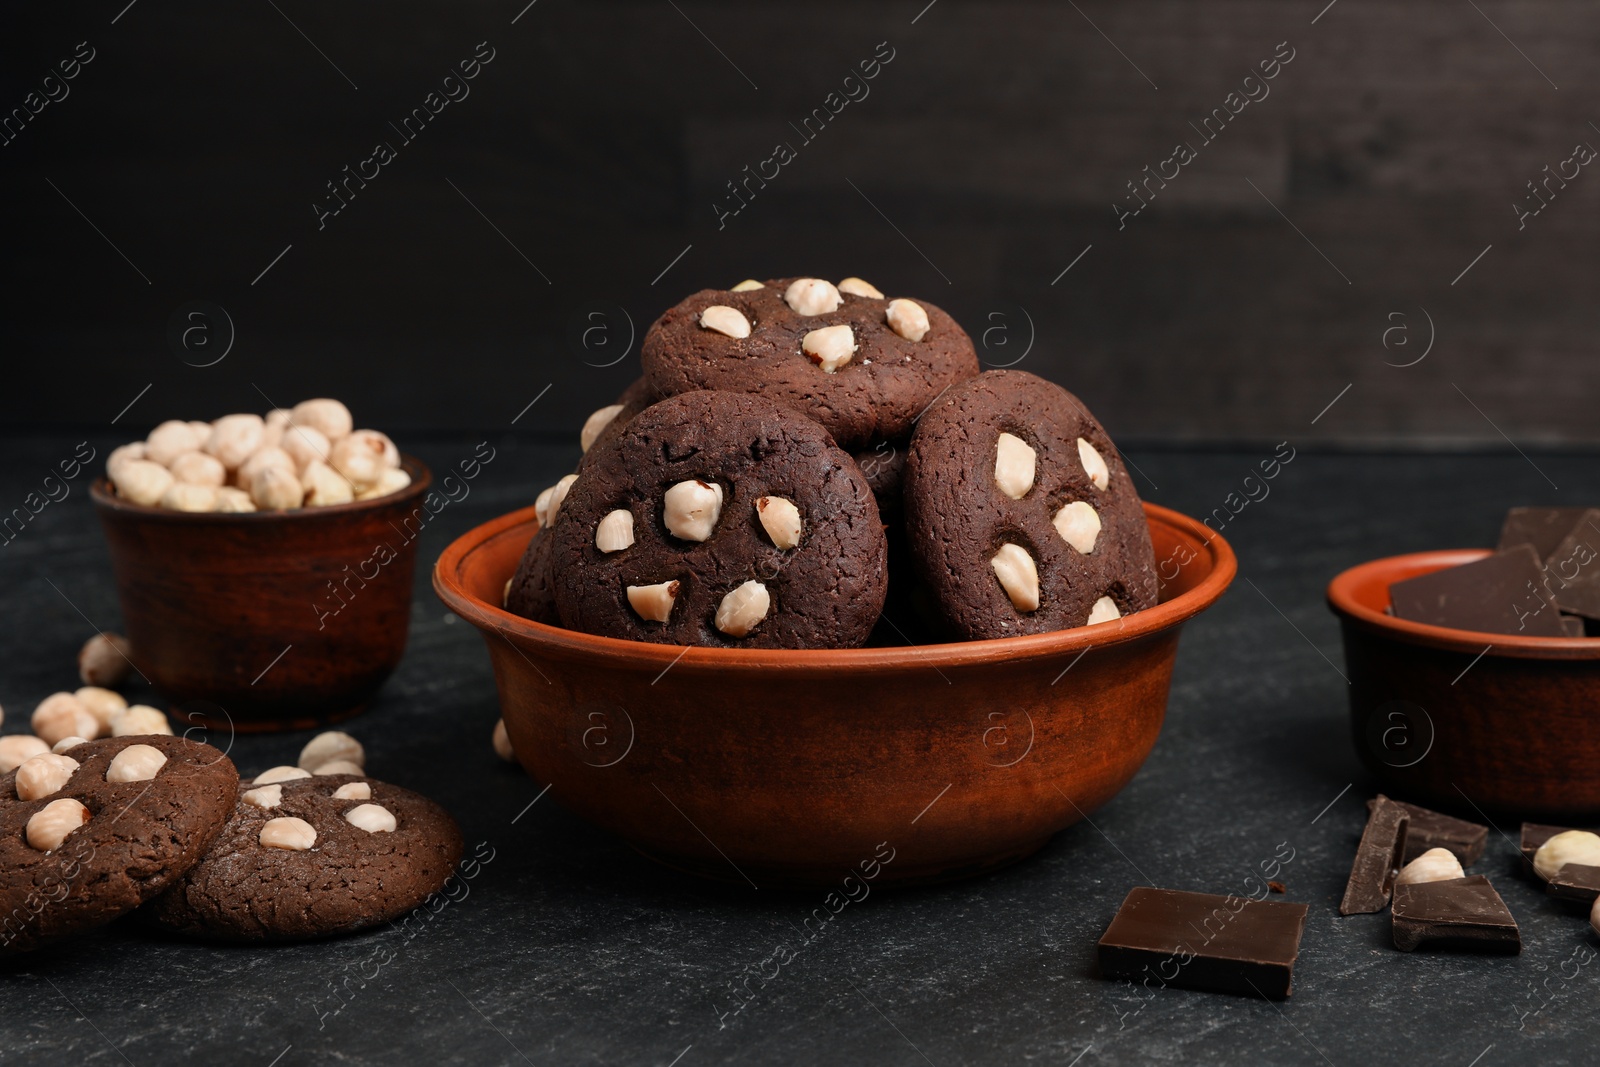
569,948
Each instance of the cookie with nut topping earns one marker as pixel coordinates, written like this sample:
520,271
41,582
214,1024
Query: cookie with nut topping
307,856
90,833
862,365
721,519
1021,515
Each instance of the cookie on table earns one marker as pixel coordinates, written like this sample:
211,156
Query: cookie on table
721,519
89,834
308,856
1021,516
863,366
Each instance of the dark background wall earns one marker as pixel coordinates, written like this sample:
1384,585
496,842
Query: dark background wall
580,176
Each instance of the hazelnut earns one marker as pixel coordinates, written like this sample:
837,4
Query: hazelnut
1434,865
67,743
181,496
171,439
596,424
348,791
1078,524
328,417
265,797
501,740
104,704
44,774
730,322
51,824
202,431
857,287
1094,464
278,419
747,285
614,532
136,763
142,481
197,468
653,602
781,519
105,659
1018,575
907,318
392,480
812,296
304,444
232,500
363,457
339,766
17,749
293,835
331,745
280,774
371,818
262,458
235,437
140,719
62,715
505,591
1104,610
324,486
690,509
743,608
1569,846
830,347
1014,462
275,489
124,454
549,502
1594,916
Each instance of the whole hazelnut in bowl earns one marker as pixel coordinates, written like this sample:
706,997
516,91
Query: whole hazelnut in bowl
788,767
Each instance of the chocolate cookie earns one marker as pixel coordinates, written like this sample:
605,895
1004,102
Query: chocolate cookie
1020,513
883,462
313,856
721,519
92,833
607,422
863,366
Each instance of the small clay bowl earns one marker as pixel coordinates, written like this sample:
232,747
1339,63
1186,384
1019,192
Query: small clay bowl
797,768
1495,722
271,620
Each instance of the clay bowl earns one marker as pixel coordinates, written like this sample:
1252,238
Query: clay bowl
274,620
1466,720
795,768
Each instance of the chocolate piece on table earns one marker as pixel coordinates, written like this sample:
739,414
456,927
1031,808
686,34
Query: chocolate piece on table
1500,594
1464,913
1572,569
1573,625
1575,881
1430,829
1203,941
1535,834
1378,857
1542,528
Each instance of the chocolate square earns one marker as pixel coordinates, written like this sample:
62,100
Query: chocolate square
1203,941
1378,857
1431,829
1500,594
1541,528
1462,913
1575,881
1572,569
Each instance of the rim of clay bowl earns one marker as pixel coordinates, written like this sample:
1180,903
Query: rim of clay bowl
1352,594
104,496
491,617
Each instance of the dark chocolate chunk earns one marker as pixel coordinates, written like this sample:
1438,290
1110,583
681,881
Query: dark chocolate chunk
1535,834
1429,829
1464,913
1203,941
1572,568
1575,881
1378,857
1541,528
1500,594
1573,625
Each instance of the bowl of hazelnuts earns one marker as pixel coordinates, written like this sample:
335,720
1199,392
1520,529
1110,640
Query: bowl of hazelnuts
264,563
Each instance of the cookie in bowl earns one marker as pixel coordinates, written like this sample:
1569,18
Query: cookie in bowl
1020,513
862,365
720,519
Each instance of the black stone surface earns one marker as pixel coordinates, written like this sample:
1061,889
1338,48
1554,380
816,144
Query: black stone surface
570,949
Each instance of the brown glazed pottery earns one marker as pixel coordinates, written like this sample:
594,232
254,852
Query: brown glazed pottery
272,620
793,768
1494,722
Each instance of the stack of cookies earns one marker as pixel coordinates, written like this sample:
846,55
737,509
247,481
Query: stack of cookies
799,453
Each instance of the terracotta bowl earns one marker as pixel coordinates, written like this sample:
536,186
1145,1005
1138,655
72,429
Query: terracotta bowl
1501,723
794,768
273,620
